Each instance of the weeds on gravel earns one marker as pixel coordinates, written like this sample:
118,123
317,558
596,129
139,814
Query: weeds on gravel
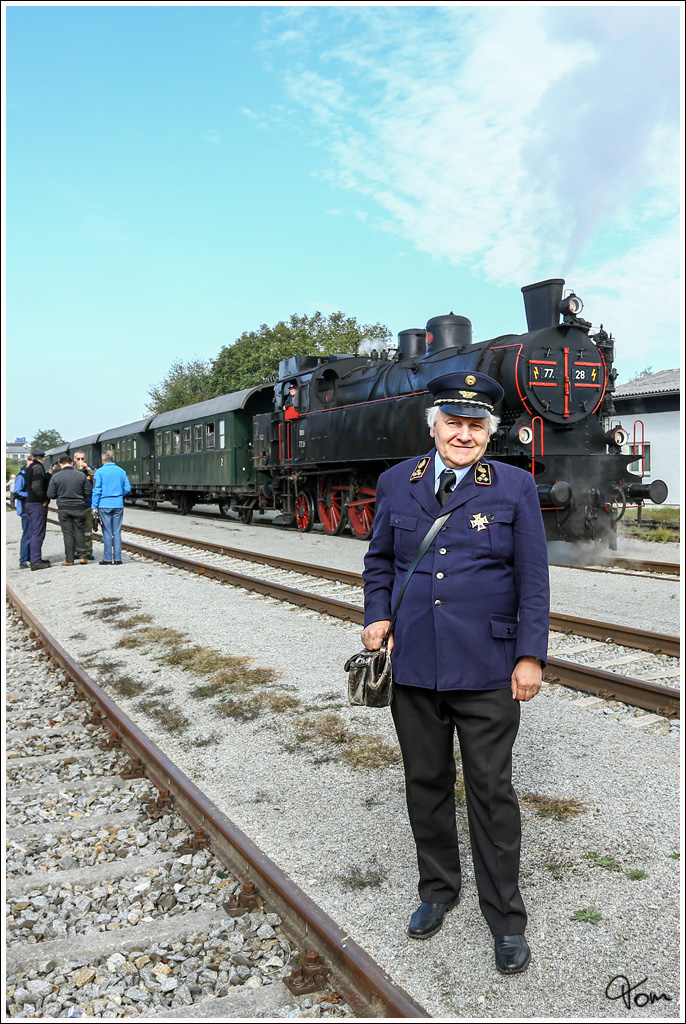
227,707
367,876
558,867
636,875
589,914
126,686
357,749
134,620
607,861
201,660
110,611
559,808
169,718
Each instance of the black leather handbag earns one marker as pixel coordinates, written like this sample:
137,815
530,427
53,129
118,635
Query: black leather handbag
370,674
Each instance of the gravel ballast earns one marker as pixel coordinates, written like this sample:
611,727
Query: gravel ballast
341,831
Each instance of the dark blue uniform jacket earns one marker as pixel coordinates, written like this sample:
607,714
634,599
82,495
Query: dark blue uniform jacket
479,598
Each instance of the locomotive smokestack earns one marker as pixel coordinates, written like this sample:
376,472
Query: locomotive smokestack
542,302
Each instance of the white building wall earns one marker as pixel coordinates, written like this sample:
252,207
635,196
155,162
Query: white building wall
663,431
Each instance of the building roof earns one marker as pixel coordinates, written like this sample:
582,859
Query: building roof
661,383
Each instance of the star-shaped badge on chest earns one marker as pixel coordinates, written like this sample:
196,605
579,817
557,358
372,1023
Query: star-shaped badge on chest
478,521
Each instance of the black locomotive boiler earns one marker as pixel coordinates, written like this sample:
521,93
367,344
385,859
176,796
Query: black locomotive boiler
320,452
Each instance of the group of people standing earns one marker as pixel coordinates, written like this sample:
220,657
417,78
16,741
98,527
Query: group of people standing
80,492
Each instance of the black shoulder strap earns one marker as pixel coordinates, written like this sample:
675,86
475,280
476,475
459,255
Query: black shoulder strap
423,548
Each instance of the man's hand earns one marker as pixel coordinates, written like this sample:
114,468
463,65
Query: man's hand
373,634
526,678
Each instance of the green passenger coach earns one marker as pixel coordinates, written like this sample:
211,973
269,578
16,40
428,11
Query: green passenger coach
132,447
203,453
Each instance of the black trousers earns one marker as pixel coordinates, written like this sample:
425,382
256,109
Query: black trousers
72,523
487,722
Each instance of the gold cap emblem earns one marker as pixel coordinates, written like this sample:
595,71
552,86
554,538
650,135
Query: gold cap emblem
468,394
470,380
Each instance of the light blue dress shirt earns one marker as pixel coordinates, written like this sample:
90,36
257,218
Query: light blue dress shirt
439,466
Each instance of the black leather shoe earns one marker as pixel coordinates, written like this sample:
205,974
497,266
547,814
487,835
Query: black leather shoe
104,562
43,564
512,953
428,919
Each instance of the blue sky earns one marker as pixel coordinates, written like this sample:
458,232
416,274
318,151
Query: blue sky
178,175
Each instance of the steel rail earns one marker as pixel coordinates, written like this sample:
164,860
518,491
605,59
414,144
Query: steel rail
359,979
626,567
625,636
662,700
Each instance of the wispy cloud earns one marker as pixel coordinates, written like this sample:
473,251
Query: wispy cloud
212,136
514,141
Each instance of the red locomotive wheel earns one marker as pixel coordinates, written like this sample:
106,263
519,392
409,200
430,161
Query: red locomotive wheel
304,511
330,504
362,506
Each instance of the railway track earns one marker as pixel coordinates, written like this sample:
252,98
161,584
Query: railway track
615,564
610,646
169,903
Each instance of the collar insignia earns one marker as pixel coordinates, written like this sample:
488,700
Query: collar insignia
421,468
468,394
482,474
478,521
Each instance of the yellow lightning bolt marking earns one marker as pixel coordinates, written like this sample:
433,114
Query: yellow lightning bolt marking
536,372
594,373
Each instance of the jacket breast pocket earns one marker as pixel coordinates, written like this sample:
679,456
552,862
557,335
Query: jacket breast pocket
490,533
404,528
500,528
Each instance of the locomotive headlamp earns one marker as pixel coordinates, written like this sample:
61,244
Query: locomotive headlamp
524,435
617,436
571,305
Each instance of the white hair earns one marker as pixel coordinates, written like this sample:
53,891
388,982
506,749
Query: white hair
433,411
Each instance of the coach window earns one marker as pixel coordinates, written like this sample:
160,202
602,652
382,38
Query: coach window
117,452
186,439
177,442
209,436
135,448
167,442
222,434
198,437
158,443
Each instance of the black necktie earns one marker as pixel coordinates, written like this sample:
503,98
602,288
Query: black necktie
445,486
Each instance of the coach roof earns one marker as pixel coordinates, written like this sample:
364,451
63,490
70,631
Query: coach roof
214,406
137,427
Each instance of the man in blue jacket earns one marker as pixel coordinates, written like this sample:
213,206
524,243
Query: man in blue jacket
469,645
110,484
20,494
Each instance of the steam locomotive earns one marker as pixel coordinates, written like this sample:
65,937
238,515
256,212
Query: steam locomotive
314,444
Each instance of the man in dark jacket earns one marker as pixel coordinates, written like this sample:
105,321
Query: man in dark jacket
469,644
82,466
36,508
73,492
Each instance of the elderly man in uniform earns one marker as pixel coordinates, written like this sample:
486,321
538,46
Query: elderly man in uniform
469,645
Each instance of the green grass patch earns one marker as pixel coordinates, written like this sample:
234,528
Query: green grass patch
636,875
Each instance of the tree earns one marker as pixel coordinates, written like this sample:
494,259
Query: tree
47,439
254,358
185,384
